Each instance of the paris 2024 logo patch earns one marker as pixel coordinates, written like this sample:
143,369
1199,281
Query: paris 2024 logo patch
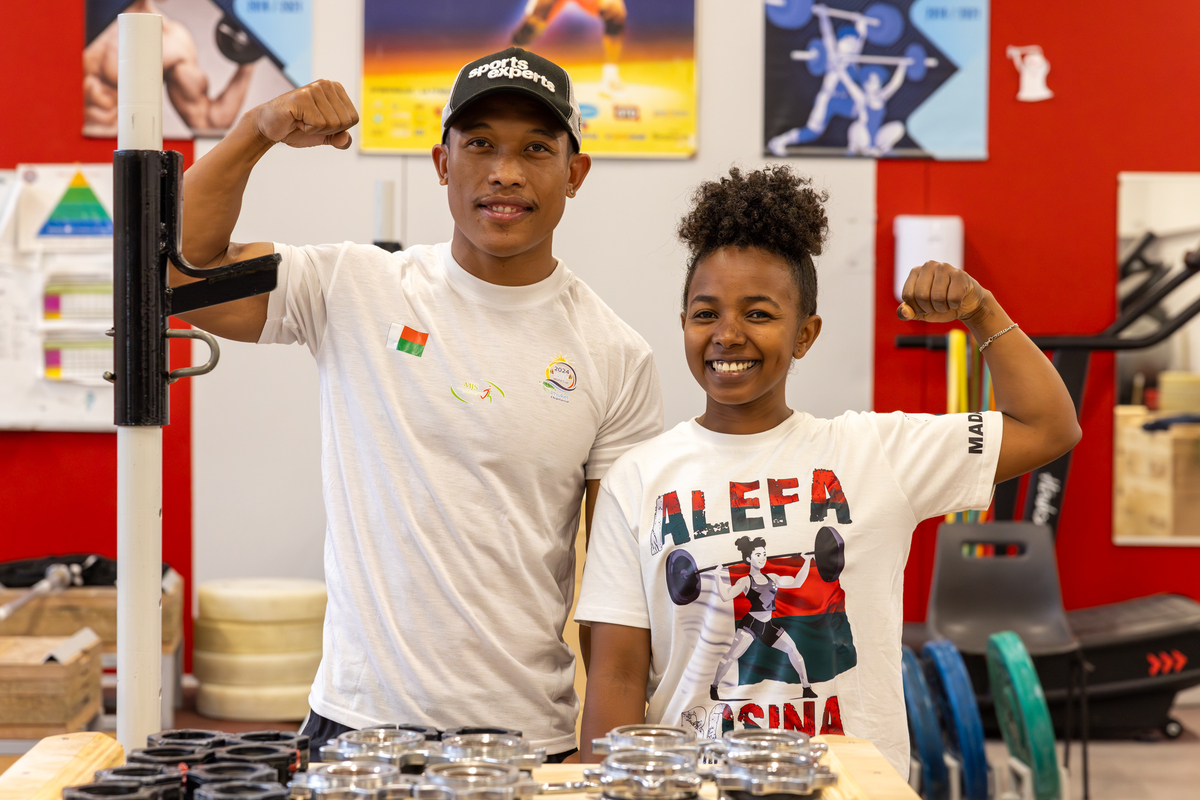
560,380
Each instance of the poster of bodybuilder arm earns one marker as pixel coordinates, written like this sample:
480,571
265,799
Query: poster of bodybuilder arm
632,63
876,78
220,57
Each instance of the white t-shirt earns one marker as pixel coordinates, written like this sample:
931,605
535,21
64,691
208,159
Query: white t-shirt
666,528
459,420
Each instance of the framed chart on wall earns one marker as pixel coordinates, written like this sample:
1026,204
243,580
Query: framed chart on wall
632,63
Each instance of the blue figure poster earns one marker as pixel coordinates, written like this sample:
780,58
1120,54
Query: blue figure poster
876,78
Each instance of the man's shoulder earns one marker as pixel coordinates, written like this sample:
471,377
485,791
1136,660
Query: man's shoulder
604,325
331,254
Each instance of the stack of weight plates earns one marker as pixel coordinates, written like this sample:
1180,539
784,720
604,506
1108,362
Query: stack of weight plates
1022,712
257,647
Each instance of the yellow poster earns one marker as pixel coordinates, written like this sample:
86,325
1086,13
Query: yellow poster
632,63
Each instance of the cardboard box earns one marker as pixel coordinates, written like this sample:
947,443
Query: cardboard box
1156,480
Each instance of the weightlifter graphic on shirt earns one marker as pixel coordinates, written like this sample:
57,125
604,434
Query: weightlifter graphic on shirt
760,589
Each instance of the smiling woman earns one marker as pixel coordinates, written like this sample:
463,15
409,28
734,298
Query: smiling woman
802,637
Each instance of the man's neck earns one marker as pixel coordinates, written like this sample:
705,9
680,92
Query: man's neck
522,269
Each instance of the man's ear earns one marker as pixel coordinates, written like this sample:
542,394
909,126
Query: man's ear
808,334
441,158
579,165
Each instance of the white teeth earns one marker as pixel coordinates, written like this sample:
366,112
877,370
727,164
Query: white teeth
732,366
506,209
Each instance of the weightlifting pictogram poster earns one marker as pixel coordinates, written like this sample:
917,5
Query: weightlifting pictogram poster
876,78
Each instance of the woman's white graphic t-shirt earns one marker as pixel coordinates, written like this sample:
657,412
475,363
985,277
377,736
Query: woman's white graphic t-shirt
769,567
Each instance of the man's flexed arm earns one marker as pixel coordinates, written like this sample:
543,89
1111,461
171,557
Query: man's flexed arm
317,114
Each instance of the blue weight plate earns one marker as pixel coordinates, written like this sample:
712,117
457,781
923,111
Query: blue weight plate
923,728
889,24
951,688
1022,712
789,14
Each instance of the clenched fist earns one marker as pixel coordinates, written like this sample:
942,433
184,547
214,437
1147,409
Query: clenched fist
319,113
937,292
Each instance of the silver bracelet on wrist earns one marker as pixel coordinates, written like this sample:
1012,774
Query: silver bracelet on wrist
996,336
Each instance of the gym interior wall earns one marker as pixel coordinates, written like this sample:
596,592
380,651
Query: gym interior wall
1040,216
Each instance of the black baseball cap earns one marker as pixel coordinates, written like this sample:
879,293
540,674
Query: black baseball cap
518,70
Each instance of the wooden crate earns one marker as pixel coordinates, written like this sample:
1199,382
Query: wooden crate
92,607
1156,479
41,695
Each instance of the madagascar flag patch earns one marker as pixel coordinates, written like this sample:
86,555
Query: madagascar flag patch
406,340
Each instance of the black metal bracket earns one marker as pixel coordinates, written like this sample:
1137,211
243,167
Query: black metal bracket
146,237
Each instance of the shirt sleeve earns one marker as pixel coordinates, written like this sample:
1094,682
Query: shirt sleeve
633,417
943,463
612,574
296,308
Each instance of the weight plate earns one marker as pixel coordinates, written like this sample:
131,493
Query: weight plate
262,599
950,685
789,14
255,669
276,703
220,636
816,65
830,554
917,69
891,24
923,728
1022,712
683,578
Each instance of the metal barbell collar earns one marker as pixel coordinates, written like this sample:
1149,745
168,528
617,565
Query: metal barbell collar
385,744
661,738
765,773
322,780
761,740
646,775
491,748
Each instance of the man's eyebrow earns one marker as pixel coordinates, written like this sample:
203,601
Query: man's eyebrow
475,126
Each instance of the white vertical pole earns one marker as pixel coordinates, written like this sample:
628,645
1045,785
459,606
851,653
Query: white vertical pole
139,449
385,211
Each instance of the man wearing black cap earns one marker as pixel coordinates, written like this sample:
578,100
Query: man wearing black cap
469,391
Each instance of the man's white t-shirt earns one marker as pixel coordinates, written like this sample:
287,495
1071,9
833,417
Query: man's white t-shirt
459,421
666,528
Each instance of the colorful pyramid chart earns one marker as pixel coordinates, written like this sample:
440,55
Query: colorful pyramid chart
78,213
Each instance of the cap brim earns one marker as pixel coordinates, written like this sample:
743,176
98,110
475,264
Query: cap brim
458,112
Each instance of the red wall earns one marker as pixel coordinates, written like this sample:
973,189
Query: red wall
58,490
1041,230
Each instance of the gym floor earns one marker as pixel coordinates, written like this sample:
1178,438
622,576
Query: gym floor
1133,770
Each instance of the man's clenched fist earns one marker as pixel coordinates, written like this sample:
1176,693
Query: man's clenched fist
319,113
937,292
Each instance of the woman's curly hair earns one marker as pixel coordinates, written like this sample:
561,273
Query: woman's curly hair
773,209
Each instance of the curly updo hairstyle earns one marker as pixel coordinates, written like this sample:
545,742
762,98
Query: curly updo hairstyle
773,209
